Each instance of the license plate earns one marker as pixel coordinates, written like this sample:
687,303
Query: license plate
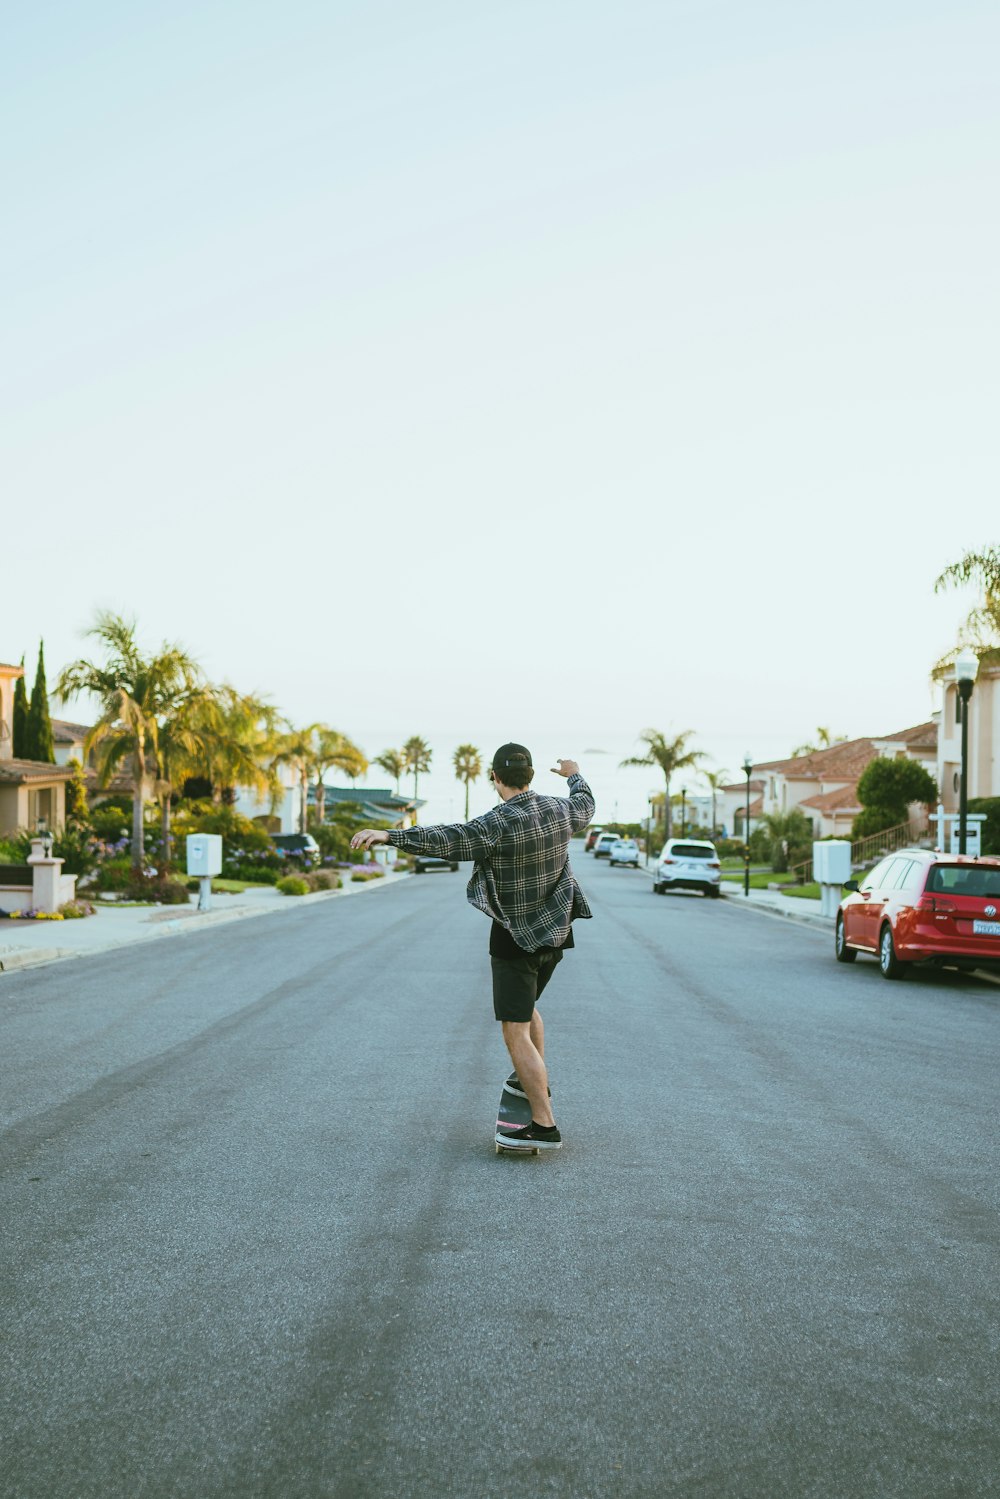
986,928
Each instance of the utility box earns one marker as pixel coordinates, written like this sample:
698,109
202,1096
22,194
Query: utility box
832,861
831,867
204,854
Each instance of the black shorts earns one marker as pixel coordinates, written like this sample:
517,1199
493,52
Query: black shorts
518,982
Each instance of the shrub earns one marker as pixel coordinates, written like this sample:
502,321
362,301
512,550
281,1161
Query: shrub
293,884
361,875
991,827
323,879
157,887
730,848
334,838
73,910
113,875
111,820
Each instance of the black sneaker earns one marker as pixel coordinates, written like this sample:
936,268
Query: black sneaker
513,1086
533,1137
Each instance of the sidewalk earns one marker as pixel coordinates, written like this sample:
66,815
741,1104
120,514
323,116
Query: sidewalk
31,943
771,902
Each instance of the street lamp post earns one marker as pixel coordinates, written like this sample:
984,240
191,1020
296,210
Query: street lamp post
747,768
683,814
966,666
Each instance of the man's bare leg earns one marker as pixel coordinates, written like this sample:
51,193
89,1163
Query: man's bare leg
537,1034
530,1067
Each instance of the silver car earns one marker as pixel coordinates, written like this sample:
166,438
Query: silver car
602,848
688,864
625,851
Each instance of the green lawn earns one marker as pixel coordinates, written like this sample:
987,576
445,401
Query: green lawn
760,879
230,887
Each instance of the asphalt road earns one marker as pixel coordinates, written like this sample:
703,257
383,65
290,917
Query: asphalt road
255,1241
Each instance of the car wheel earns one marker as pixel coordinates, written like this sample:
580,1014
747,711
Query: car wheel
714,893
454,868
844,953
889,964
419,869
657,889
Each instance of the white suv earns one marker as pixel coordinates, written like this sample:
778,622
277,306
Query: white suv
602,847
688,864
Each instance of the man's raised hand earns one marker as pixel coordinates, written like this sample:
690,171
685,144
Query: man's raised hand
567,768
368,836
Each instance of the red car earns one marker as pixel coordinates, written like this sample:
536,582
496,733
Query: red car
918,906
592,838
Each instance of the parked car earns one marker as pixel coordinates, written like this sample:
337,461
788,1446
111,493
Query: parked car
297,846
919,906
602,847
625,851
592,838
688,864
423,862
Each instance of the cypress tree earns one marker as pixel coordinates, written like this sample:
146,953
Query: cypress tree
20,716
39,744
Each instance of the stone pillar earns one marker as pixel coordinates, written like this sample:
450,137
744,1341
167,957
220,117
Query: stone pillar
45,890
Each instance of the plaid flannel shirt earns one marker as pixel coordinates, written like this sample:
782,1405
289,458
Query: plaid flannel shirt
522,877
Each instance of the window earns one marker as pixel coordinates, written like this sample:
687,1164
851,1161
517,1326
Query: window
956,879
692,851
874,880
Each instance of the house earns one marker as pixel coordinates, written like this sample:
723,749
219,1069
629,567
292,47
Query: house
283,814
731,806
823,784
68,739
32,792
984,736
371,805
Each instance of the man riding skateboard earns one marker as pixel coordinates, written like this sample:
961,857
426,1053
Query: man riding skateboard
523,882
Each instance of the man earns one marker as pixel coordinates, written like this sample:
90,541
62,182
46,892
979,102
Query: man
523,882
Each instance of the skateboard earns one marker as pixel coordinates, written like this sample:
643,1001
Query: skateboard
514,1111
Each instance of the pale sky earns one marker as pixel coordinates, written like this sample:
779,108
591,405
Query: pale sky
536,370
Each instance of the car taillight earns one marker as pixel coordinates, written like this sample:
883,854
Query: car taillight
937,905
714,864
668,861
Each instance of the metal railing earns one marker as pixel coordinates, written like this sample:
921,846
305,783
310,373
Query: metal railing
868,850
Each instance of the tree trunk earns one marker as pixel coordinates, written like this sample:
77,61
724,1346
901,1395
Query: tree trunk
667,823
466,800
304,811
167,854
320,800
138,840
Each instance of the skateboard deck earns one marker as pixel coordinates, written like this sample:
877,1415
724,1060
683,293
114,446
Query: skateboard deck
514,1111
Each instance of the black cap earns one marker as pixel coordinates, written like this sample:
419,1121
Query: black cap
511,757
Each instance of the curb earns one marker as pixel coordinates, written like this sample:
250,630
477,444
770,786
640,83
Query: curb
35,957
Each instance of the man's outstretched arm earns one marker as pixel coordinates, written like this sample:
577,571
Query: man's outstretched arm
459,840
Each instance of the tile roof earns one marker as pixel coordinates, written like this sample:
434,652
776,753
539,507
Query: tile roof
846,760
17,671
64,732
924,734
845,798
376,798
741,786
18,771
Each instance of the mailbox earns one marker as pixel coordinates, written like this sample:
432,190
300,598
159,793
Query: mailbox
204,854
832,861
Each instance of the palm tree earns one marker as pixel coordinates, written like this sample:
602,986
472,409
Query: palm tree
468,767
716,780
393,762
241,735
296,748
670,755
825,738
137,694
417,753
181,747
333,751
983,569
